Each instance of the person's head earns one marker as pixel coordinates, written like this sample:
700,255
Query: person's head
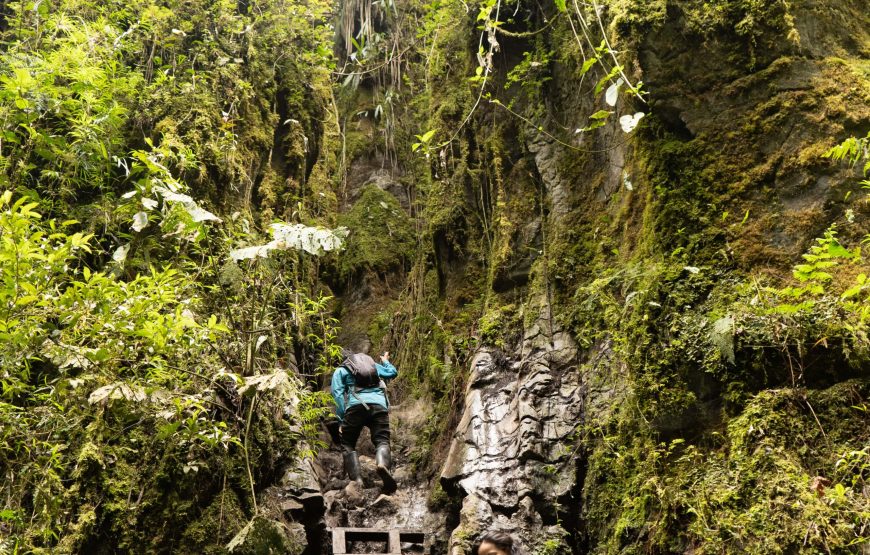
496,543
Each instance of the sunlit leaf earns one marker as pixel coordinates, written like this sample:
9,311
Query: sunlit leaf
140,221
628,123
120,254
612,93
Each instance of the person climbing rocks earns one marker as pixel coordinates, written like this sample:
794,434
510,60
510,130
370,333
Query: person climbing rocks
360,393
496,543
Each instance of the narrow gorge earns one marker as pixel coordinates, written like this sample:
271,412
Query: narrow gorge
614,247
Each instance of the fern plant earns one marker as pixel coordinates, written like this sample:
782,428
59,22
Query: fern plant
814,275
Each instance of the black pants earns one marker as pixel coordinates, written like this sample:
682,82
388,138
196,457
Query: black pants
376,417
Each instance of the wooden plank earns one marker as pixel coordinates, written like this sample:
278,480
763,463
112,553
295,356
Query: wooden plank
395,545
339,543
394,538
365,530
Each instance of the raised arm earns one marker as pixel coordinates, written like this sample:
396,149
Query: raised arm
386,370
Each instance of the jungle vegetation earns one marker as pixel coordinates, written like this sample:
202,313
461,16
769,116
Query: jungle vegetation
177,183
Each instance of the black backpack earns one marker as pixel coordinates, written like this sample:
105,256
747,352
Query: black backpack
365,374
362,366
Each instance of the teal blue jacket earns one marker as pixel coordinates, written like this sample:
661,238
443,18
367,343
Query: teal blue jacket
343,383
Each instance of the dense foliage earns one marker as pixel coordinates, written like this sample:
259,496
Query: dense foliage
690,231
152,384
694,236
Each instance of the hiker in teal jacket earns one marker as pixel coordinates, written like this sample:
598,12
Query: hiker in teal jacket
359,390
343,383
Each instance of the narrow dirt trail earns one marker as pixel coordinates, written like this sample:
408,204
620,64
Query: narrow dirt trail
348,506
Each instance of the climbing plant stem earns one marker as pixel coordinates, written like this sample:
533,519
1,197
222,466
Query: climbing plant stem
247,451
541,130
613,53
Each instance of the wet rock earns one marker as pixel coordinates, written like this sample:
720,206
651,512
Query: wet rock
384,502
401,475
302,477
512,447
354,494
475,517
547,163
291,505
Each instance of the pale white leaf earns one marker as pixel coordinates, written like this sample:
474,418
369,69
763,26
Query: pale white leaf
612,93
692,269
628,123
67,356
166,414
117,390
279,382
121,253
627,182
140,221
131,194
172,196
247,253
149,203
260,340
314,240
199,214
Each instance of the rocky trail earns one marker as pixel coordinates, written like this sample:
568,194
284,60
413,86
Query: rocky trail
506,463
348,506
317,499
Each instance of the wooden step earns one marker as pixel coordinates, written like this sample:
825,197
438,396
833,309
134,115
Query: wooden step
394,539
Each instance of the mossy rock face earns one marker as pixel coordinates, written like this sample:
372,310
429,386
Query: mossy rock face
216,524
752,488
381,235
728,180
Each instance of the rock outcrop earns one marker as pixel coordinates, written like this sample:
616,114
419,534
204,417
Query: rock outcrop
512,454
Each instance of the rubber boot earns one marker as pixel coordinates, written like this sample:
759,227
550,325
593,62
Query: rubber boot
382,458
351,467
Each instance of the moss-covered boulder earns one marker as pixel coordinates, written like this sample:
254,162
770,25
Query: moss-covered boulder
381,237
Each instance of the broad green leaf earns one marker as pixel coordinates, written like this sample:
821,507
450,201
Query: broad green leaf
614,71
587,65
852,292
594,125
427,136
837,250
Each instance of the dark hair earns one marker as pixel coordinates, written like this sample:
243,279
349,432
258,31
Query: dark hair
501,540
